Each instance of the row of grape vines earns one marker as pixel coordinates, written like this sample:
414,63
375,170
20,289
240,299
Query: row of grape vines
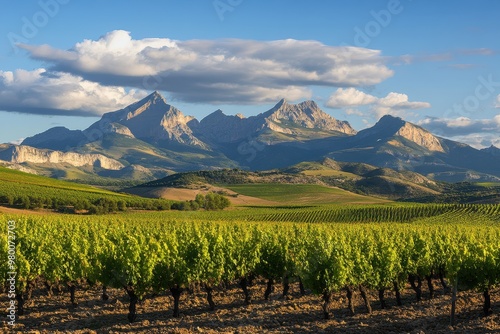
150,255
379,213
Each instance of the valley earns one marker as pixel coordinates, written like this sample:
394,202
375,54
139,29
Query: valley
156,210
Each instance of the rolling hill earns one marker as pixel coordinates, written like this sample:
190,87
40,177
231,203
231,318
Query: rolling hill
28,191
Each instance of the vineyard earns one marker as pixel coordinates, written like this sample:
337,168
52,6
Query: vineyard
22,190
326,250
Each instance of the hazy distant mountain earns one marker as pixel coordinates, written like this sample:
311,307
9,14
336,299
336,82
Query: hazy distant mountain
284,122
58,138
151,138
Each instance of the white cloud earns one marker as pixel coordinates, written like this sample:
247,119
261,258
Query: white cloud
347,97
353,111
18,141
42,92
394,103
461,126
217,71
478,133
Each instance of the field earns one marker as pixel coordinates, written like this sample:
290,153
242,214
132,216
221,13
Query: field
244,258
302,194
26,191
17,178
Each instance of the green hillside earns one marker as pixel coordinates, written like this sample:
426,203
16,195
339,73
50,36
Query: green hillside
328,181
17,177
28,191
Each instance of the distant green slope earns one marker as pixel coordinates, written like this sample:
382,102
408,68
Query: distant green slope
14,176
28,191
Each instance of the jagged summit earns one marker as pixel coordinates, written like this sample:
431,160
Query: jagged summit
390,126
493,150
306,114
154,103
161,138
153,120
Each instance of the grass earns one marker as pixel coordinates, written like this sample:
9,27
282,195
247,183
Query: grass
331,172
300,194
14,176
489,184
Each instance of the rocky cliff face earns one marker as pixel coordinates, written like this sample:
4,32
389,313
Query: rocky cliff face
307,115
161,137
153,120
420,137
389,126
286,118
20,154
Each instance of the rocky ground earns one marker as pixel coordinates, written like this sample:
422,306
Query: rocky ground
295,314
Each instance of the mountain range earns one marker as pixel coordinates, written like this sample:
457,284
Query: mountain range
151,139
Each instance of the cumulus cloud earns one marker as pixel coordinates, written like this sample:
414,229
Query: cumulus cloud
394,103
461,126
217,71
348,97
478,133
56,93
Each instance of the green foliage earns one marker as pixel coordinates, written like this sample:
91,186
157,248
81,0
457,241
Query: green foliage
211,202
36,192
151,253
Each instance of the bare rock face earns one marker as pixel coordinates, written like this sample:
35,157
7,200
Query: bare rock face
97,130
389,126
307,115
420,137
177,127
18,167
153,120
19,154
221,128
283,118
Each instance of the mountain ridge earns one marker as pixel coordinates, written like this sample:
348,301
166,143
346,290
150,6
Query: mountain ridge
157,138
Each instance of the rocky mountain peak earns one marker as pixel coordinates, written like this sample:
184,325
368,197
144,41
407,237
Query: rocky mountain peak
493,150
389,126
152,120
420,137
154,103
174,117
306,114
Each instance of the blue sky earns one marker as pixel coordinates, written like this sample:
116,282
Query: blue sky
434,63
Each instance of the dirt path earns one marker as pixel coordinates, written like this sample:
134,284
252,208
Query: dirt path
6,210
296,314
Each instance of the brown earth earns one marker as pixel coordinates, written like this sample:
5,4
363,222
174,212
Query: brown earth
186,194
295,314
9,211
